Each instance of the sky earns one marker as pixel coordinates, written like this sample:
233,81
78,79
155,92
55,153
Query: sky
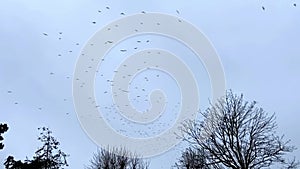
259,51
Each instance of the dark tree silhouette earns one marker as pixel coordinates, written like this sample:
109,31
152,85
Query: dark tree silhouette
236,134
192,158
116,159
3,129
49,156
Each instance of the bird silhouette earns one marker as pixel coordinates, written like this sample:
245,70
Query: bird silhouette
45,34
263,8
295,4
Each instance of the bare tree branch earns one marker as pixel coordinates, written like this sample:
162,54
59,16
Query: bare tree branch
237,134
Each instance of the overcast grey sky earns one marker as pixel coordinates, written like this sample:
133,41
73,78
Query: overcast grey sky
259,51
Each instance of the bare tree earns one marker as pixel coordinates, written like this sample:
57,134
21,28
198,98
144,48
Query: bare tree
192,158
115,158
49,156
238,135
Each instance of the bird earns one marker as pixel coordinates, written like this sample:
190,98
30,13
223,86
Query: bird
123,50
263,8
45,34
99,11
9,91
94,22
60,33
107,7
177,11
51,73
295,4
108,42
122,13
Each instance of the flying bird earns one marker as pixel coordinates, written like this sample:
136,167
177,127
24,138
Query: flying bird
295,4
263,8
94,22
108,42
107,7
177,12
9,91
45,34
122,13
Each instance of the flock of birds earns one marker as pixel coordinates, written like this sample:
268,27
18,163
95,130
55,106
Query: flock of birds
112,108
